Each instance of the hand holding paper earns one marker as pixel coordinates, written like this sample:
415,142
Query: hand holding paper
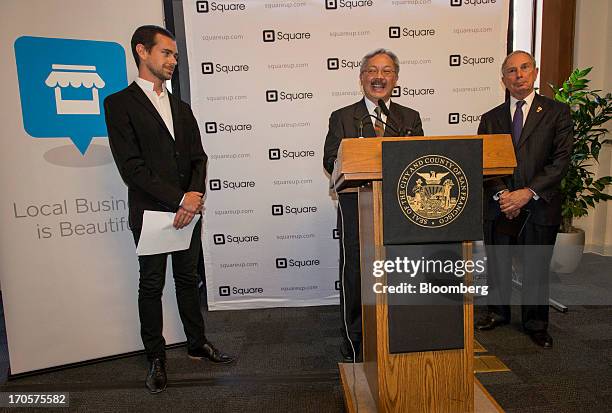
159,235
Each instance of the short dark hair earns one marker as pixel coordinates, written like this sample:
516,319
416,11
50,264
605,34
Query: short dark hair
145,35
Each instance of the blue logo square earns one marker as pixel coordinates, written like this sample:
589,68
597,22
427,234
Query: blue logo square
63,84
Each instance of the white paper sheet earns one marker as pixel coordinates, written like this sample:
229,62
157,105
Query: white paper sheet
159,236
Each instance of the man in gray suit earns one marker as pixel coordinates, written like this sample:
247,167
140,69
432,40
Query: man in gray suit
366,118
541,130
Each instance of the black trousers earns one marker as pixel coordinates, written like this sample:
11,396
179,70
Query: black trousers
150,289
532,252
350,283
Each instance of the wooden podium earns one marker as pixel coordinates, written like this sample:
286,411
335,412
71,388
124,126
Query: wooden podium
426,381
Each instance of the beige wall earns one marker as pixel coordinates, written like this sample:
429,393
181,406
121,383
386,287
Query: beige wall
593,47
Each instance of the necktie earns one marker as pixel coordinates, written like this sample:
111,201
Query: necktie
379,129
517,122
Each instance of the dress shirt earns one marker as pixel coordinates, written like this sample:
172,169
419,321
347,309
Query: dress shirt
161,102
528,101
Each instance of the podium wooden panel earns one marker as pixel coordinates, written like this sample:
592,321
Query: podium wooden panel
426,381
360,159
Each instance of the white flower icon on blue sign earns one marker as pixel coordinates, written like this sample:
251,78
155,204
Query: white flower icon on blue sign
62,84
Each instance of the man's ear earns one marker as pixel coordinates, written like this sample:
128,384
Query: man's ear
141,50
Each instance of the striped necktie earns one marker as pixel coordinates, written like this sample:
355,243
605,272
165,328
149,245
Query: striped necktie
379,129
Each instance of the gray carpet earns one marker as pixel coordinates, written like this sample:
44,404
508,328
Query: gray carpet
287,363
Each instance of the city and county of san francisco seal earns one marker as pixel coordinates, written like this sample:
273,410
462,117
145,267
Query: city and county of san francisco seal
432,191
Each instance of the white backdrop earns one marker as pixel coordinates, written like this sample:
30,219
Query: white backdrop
67,297
266,155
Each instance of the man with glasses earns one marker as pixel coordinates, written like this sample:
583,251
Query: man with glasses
366,118
525,209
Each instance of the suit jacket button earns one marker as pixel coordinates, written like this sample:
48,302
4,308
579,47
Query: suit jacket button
182,175
177,154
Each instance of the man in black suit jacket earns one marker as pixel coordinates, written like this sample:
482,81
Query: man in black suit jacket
541,130
155,141
378,76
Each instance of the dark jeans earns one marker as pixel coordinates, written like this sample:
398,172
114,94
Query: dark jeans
151,286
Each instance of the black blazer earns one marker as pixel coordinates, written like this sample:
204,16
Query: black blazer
349,121
157,169
542,154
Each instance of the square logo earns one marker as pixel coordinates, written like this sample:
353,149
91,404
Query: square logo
335,234
51,72
396,92
274,154
219,239
394,32
215,184
337,285
224,291
210,127
268,36
207,68
333,63
454,60
453,118
277,210
202,6
455,3
331,4
271,96
281,263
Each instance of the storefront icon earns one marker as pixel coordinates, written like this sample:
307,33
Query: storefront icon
76,76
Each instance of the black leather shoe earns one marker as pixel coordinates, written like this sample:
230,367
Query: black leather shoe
208,351
489,322
156,379
542,339
347,352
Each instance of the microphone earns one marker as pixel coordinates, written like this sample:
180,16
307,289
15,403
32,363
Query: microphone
402,131
369,115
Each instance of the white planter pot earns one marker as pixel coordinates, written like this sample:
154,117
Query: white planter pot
568,251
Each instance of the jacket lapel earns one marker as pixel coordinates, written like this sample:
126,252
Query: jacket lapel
391,121
176,124
534,117
362,120
505,118
140,96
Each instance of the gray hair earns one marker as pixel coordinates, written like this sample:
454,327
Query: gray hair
392,56
529,55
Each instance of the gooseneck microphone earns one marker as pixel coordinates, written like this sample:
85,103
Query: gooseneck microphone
402,131
369,115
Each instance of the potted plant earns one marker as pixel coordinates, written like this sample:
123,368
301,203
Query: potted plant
579,188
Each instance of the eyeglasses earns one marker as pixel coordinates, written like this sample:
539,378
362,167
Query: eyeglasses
385,71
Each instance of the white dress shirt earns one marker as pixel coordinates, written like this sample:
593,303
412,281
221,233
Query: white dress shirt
161,102
528,101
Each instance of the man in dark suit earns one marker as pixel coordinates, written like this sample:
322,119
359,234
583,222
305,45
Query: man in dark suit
378,76
541,130
155,141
